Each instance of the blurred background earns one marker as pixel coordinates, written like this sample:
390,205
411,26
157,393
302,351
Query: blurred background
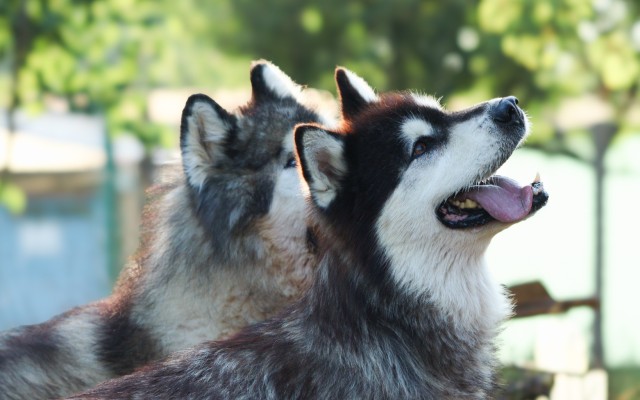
91,94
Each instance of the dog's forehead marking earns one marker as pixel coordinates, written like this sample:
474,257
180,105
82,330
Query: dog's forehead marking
426,101
414,128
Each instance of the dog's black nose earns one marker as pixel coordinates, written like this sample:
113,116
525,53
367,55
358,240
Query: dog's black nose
507,111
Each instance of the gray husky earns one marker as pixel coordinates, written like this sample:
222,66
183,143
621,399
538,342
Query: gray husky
402,305
225,244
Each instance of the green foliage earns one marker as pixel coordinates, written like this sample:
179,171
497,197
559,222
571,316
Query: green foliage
104,56
395,45
615,60
548,50
570,47
12,197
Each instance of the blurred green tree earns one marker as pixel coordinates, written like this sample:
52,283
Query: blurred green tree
94,54
394,44
102,57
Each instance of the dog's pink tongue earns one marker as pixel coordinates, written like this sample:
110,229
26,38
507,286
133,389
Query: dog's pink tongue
504,199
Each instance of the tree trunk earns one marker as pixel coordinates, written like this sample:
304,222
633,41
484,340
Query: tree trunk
603,133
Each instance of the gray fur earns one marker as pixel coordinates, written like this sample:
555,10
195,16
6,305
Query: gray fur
368,328
215,256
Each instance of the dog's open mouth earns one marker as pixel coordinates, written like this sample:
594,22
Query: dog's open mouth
495,199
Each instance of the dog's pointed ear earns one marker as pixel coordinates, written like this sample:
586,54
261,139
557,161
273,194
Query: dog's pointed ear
321,156
268,82
354,93
204,130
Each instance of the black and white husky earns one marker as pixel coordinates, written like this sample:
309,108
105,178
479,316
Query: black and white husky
402,306
225,245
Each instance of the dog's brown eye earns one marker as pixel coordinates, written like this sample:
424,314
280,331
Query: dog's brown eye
419,149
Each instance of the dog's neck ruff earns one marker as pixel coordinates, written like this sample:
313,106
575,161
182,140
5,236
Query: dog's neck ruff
449,346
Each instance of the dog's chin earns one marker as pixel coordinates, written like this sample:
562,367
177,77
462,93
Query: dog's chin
496,200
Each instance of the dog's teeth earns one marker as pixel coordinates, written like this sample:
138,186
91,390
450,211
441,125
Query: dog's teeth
537,178
468,203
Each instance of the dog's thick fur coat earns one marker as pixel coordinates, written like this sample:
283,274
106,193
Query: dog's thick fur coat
225,244
402,306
